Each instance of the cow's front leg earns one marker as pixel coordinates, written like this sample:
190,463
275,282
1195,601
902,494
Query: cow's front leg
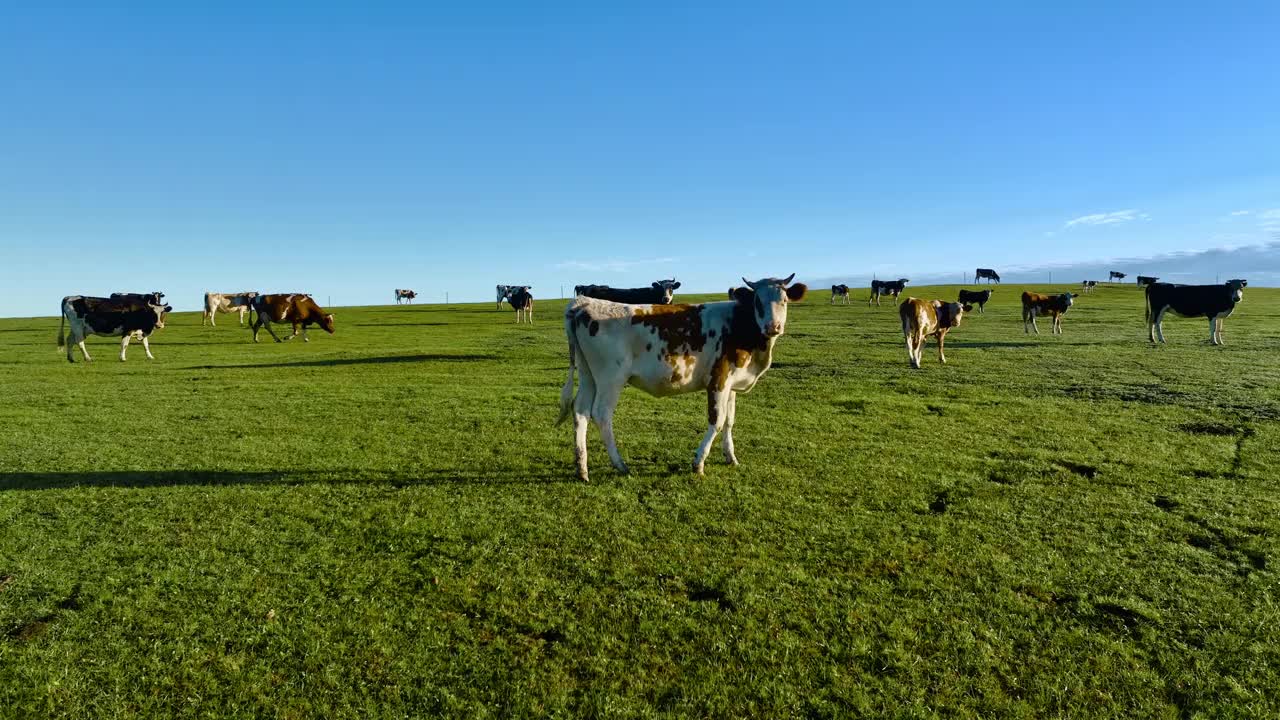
265,322
717,414
146,346
124,345
305,339
1213,330
727,443
942,358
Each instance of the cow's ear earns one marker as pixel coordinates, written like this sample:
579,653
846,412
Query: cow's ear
330,316
796,292
742,295
675,286
967,307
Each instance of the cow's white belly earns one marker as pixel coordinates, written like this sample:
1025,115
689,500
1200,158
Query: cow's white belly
672,376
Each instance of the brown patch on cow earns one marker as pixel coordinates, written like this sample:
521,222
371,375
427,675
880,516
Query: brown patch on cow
679,326
719,374
741,357
593,328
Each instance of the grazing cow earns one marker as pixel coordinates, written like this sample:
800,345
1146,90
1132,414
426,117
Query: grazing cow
886,287
405,295
1215,302
226,302
296,308
1088,286
522,302
976,297
722,347
1034,304
1147,280
1114,276
658,293
839,291
124,317
987,273
924,318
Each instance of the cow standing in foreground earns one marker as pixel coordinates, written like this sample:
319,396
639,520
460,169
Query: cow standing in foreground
985,273
1034,304
405,295
1215,302
886,287
976,297
723,348
124,317
296,308
226,302
522,302
839,291
661,292
924,318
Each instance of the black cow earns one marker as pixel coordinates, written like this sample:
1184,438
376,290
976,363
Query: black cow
840,291
125,317
1146,280
1215,302
1114,276
975,297
887,287
659,293
522,301
986,273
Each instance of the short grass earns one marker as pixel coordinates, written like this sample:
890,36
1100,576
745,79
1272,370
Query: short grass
385,523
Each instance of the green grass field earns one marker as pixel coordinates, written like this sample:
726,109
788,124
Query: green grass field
385,523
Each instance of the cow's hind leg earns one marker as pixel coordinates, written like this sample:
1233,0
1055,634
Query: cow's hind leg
602,409
1213,330
582,405
717,415
727,443
124,345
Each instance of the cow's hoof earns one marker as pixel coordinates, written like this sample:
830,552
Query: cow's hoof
697,469
731,461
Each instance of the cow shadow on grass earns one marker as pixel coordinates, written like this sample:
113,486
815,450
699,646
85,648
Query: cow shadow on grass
16,481
406,324
334,362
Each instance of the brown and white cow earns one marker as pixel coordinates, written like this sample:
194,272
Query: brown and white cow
405,296
925,318
521,301
296,308
124,317
722,348
1055,306
215,303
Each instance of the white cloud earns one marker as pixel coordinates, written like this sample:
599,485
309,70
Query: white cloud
1238,213
1110,218
614,265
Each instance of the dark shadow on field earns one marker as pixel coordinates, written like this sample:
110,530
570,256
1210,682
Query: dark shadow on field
407,324
13,481
1020,343
332,362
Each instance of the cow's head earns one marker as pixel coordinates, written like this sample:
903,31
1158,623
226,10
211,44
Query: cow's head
955,312
1068,298
904,281
161,311
768,300
1237,289
667,291
326,323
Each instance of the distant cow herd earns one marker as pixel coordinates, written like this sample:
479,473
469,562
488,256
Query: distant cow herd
640,337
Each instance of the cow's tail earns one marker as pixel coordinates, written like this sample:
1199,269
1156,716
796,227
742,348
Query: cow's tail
62,321
566,391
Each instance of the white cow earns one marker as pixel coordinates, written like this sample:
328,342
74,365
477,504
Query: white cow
226,302
722,347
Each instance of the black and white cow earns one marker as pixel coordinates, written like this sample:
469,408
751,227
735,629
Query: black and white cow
985,273
1114,276
976,297
1088,286
123,317
504,292
886,287
839,291
522,302
215,303
720,348
1215,302
153,298
660,292
405,296
1147,280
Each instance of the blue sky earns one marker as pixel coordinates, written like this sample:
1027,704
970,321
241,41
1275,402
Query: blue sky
346,151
